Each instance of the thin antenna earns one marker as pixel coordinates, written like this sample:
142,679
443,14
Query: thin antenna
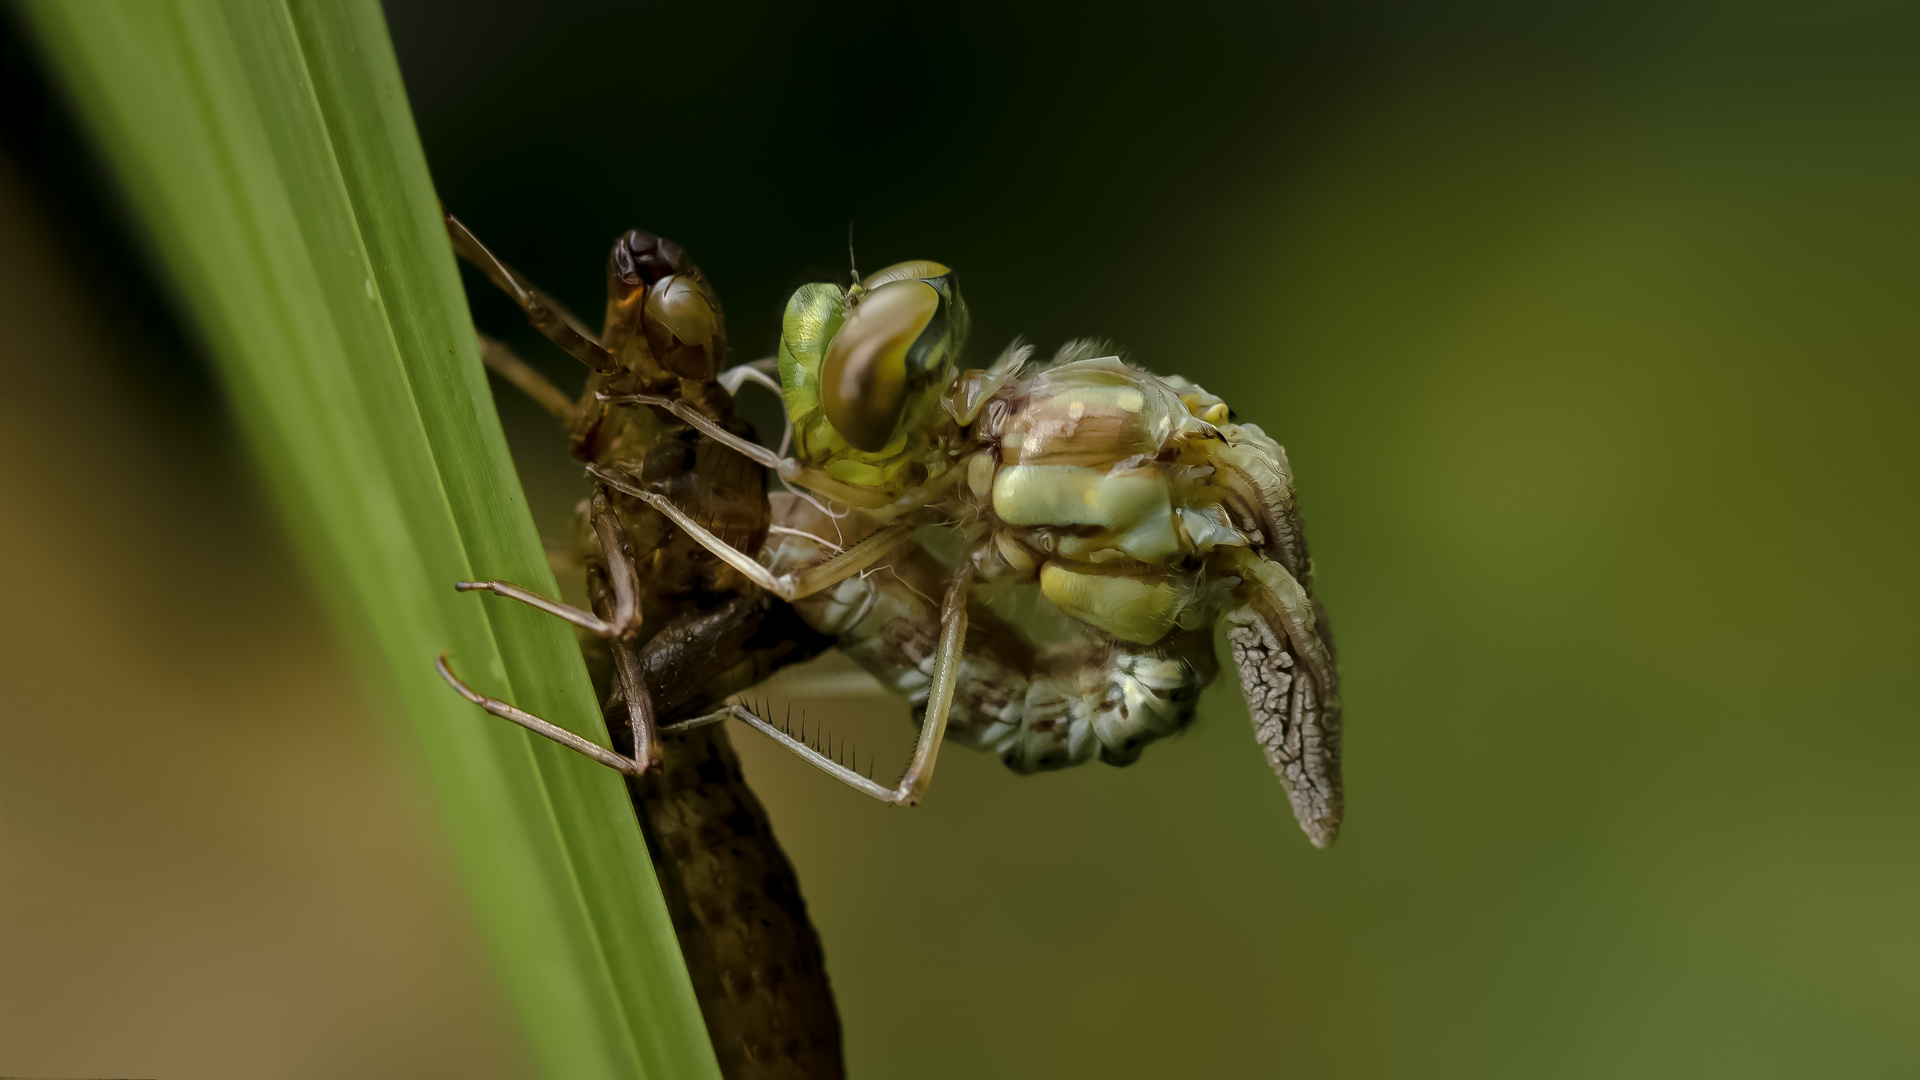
857,291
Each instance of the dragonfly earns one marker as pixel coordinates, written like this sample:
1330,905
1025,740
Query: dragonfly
671,631
1134,513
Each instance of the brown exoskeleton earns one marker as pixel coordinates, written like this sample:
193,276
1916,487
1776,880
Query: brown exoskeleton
672,631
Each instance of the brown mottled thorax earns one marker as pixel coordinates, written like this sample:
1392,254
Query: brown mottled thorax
666,327
755,959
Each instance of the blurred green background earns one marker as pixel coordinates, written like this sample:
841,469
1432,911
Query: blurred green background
1591,332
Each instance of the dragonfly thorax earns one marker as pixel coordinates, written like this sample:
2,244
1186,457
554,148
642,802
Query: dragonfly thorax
1098,479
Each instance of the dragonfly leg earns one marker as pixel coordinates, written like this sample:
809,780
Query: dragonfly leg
759,371
639,700
547,728
694,659
620,571
620,626
546,315
933,727
788,586
787,469
698,420
502,361
946,676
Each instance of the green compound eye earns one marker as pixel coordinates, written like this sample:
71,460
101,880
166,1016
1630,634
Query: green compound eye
865,376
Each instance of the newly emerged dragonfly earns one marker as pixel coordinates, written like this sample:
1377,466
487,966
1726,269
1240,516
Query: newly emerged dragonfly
1135,506
672,632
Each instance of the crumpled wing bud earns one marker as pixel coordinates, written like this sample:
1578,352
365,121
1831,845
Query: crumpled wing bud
1285,658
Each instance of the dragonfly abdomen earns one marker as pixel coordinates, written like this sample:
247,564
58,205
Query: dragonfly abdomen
1082,697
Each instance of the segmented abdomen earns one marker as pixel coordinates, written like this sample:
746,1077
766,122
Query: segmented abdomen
1082,697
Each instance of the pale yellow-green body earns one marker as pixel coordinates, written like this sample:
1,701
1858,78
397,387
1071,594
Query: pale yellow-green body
1127,508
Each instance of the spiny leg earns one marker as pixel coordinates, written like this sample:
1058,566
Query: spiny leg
620,572
546,315
933,726
502,361
788,586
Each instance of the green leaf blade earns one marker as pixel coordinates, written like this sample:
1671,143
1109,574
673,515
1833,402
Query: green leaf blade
269,152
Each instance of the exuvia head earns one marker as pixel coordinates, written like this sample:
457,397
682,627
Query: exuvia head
654,286
900,335
641,258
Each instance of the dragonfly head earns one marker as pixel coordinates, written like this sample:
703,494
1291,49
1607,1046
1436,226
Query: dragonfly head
871,362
